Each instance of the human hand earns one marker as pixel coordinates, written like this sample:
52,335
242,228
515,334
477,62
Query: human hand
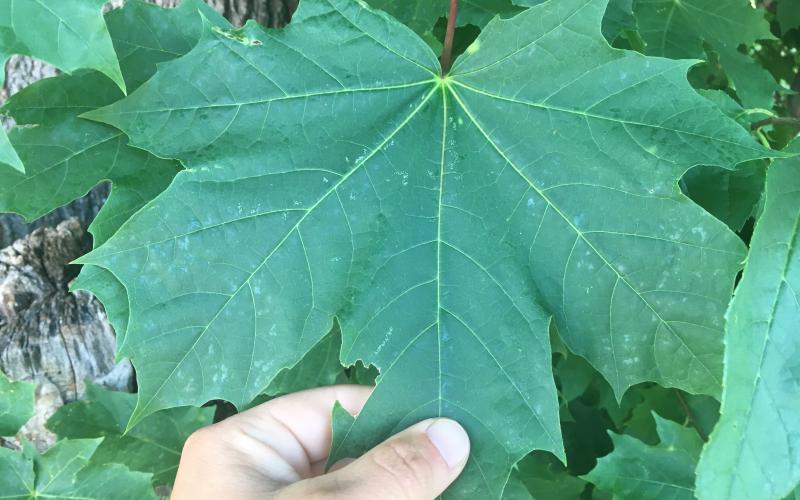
279,450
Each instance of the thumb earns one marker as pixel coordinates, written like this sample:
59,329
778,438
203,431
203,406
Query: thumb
416,464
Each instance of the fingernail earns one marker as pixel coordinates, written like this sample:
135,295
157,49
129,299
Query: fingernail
451,440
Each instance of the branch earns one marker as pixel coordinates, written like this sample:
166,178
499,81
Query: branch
776,120
689,417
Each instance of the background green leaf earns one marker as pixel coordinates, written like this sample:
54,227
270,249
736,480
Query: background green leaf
65,472
679,29
788,15
69,34
421,15
751,451
16,404
635,470
154,446
66,155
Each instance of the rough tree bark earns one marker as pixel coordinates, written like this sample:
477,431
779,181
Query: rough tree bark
48,335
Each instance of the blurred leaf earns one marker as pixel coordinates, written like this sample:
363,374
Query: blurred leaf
319,367
753,449
637,471
788,14
153,446
66,472
17,401
545,478
679,29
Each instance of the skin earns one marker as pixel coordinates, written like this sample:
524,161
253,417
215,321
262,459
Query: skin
278,450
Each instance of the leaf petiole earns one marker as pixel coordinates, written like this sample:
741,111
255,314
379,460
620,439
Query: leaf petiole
447,52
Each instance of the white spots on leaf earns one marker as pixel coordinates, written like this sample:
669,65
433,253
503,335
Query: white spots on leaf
386,338
361,157
403,176
531,202
220,375
699,231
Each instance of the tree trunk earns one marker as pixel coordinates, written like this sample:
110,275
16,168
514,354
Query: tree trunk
48,335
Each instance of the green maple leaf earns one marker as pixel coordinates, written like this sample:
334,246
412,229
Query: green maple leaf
69,34
16,404
679,28
619,18
7,154
732,196
788,15
441,220
637,471
319,367
544,478
154,446
65,473
751,451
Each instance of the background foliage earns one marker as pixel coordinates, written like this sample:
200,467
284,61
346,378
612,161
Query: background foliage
653,419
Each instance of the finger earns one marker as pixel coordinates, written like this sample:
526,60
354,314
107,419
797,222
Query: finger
295,428
418,464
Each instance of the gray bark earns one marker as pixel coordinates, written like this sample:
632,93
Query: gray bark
48,335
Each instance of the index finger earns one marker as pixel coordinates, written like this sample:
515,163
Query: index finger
298,426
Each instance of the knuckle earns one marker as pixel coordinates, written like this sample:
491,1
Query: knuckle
328,488
200,439
405,463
